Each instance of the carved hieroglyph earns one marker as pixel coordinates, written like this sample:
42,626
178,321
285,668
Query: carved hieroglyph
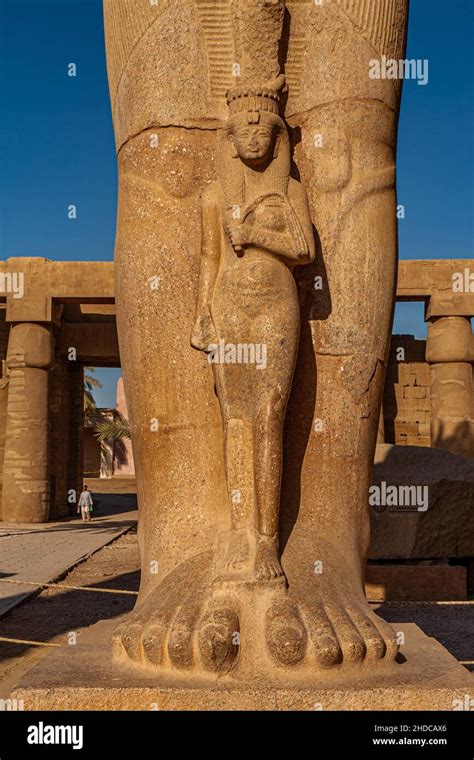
219,593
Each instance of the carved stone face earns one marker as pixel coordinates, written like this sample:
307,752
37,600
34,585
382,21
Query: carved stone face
253,143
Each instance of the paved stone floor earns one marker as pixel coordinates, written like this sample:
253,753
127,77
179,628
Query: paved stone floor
42,553
54,613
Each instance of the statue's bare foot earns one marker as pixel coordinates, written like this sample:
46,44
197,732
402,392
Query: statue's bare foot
349,632
158,635
267,564
339,632
219,638
160,631
143,637
341,626
285,633
238,551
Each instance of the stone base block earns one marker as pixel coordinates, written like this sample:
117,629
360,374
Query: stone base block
415,583
83,677
446,528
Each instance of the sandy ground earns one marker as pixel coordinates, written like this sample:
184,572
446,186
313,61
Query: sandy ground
54,613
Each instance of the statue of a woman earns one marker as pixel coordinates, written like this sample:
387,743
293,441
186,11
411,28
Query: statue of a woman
256,228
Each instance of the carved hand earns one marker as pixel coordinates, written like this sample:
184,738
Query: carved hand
203,333
241,235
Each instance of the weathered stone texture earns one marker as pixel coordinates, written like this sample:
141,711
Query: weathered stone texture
407,405
168,107
446,528
429,679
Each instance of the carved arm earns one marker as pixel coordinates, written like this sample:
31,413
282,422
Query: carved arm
203,333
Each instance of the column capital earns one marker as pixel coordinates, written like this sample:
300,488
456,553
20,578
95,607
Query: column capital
450,339
30,345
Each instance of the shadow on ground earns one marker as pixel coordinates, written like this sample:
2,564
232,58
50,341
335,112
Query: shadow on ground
65,611
452,625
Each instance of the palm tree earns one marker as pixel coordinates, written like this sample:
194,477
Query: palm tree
90,383
115,428
107,428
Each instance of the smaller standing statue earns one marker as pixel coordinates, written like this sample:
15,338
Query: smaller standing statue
256,228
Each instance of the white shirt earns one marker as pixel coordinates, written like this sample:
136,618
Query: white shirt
85,499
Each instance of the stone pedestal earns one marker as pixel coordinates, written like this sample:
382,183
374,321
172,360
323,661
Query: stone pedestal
415,582
83,677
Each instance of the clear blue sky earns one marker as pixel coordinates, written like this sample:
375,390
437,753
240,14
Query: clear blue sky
57,143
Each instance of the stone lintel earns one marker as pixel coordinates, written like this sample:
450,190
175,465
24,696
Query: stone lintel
68,281
93,281
99,309
94,342
420,279
450,305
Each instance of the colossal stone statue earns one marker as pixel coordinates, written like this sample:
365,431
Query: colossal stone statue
272,231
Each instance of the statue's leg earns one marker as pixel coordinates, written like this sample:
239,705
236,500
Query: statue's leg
345,123
238,450
325,556
174,415
268,455
277,326
253,391
326,531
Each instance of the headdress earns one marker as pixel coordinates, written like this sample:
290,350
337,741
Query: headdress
255,100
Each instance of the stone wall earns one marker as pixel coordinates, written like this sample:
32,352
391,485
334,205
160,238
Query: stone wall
76,426
406,406
92,454
3,419
59,420
4,332
123,454
98,456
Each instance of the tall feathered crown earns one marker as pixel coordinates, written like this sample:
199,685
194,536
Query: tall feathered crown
256,99
258,26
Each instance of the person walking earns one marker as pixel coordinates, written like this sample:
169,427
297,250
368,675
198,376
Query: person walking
85,504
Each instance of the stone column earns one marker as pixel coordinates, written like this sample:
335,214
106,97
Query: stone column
4,332
25,497
59,411
450,354
3,419
76,429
